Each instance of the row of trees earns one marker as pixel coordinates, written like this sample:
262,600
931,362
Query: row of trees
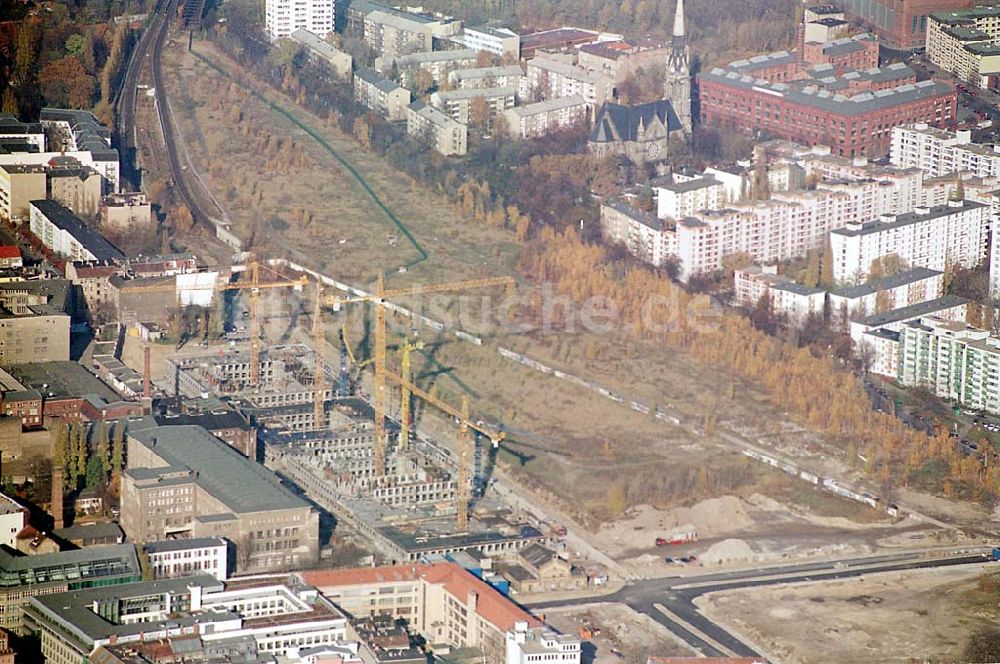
802,381
91,454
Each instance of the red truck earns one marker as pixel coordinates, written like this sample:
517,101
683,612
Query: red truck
678,538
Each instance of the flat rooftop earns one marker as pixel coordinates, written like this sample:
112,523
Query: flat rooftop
62,380
242,485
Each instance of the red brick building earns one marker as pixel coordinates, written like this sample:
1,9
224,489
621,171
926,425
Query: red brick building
857,53
24,404
898,23
826,103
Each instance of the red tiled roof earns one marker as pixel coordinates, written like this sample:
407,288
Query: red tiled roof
8,251
490,604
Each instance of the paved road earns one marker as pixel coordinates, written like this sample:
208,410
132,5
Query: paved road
677,594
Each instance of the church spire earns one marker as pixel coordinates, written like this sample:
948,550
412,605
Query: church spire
679,20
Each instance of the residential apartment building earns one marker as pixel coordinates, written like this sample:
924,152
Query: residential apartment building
953,360
459,103
29,134
794,301
440,131
124,211
508,76
937,238
25,576
385,97
283,17
621,59
785,226
443,601
77,134
66,235
542,117
966,43
254,619
912,286
678,197
946,307
900,24
853,112
19,185
940,152
34,337
547,77
10,257
340,62
527,645
170,559
439,64
181,481
393,33
498,41
76,186
645,236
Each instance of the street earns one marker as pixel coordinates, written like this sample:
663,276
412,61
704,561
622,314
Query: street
677,594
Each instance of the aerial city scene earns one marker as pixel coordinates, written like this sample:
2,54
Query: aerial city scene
499,331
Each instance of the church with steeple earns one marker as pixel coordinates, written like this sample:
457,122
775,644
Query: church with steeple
643,132
677,83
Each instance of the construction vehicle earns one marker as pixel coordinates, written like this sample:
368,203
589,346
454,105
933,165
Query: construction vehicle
254,285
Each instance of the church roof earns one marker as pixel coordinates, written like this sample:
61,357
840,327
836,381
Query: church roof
616,122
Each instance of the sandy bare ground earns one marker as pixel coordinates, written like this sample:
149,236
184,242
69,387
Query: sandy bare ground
621,630
888,617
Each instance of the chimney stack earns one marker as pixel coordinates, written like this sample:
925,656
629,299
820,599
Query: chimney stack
57,496
147,388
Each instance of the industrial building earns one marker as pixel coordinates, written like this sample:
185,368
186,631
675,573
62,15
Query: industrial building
181,481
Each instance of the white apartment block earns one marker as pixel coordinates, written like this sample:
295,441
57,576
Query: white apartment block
965,43
508,76
105,163
438,130
498,41
169,559
935,238
881,350
283,17
382,95
644,235
549,78
952,360
788,298
13,519
784,227
995,253
542,117
677,198
342,63
458,103
531,645
941,152
900,290
946,307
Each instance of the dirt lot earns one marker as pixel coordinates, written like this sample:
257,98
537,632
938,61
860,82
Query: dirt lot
619,629
310,203
892,617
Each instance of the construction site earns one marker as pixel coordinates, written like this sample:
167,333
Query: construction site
345,428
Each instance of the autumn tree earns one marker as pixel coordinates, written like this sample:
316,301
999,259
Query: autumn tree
64,82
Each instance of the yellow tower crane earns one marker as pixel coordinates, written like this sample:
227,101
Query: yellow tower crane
319,339
254,285
465,445
405,396
379,299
